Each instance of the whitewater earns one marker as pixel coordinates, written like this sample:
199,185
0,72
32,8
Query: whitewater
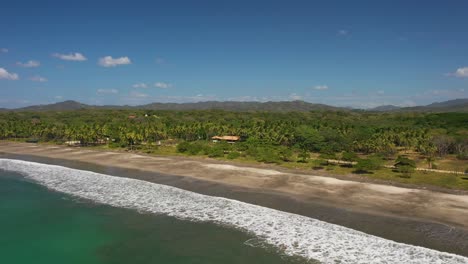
293,234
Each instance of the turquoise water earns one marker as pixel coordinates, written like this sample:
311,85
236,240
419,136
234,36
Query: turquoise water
41,226
38,225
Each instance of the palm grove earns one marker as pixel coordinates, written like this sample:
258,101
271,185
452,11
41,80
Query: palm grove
363,139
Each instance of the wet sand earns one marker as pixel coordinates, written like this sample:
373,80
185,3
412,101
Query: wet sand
414,216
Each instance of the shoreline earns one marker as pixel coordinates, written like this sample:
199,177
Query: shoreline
326,189
358,205
291,234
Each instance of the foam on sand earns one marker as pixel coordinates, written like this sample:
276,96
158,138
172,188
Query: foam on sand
295,234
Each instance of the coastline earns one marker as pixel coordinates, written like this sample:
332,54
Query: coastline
429,218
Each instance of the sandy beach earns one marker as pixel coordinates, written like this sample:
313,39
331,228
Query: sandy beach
371,198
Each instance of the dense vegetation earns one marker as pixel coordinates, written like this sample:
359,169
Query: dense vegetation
362,137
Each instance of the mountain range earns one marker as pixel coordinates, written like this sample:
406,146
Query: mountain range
457,105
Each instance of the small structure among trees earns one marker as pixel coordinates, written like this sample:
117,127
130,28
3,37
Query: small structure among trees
228,139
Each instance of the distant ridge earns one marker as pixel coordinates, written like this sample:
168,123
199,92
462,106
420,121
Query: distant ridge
61,106
457,105
285,106
385,108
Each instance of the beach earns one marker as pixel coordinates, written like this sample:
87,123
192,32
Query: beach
437,220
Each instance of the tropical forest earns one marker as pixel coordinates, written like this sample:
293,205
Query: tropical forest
409,147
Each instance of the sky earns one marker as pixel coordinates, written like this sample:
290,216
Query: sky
343,53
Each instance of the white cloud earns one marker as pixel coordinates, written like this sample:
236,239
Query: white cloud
140,85
3,50
295,96
108,61
381,92
58,97
70,57
343,32
138,95
162,85
444,94
187,99
4,74
407,103
245,98
38,78
321,87
461,72
29,64
107,91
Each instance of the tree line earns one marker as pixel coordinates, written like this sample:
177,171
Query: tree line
266,136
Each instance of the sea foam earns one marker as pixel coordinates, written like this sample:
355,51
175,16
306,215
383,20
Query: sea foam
293,234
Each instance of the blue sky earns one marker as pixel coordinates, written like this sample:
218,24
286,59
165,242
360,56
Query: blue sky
346,53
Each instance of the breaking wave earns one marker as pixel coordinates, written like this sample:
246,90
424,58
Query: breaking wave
294,234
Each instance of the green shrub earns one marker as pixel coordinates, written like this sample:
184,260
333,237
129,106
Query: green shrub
267,155
194,148
349,156
285,153
462,156
216,152
368,165
241,146
405,166
224,145
303,156
183,147
233,155
251,151
404,161
319,164
327,156
326,153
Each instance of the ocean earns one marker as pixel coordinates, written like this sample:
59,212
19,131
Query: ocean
41,226
54,214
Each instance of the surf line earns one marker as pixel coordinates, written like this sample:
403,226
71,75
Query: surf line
293,234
